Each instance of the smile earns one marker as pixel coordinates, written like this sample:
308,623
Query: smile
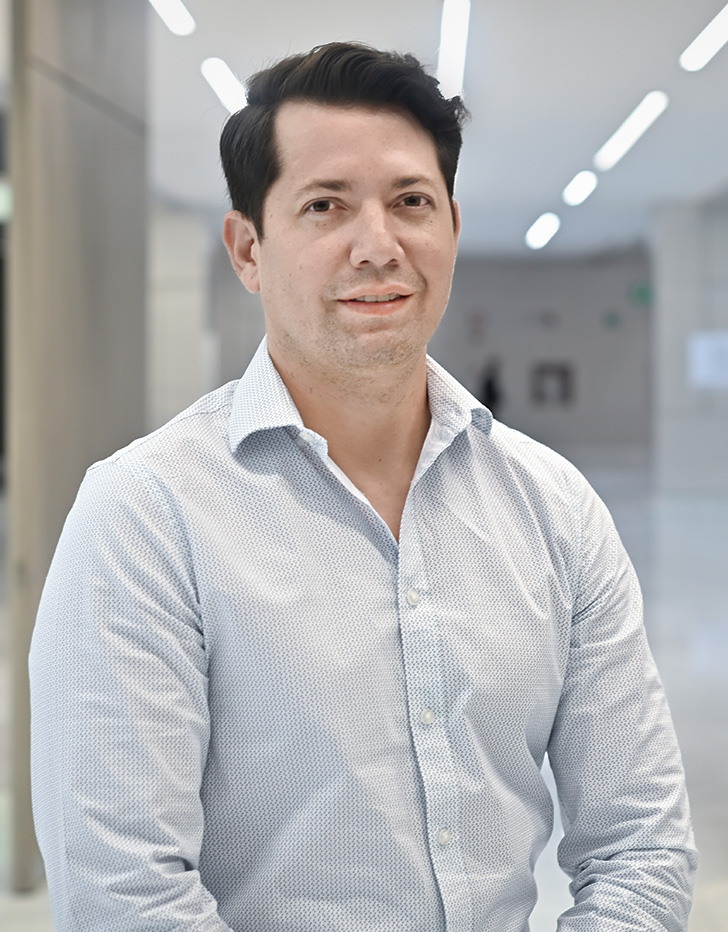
377,298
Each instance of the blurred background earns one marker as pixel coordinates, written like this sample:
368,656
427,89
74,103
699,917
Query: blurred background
589,305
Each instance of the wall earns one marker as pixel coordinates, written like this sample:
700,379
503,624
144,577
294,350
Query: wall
592,314
690,249
237,317
203,327
182,347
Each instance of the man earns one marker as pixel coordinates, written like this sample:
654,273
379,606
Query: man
302,651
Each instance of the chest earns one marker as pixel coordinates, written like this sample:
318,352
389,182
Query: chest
309,606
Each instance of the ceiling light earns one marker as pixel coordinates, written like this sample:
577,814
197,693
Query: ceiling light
453,45
176,16
540,232
6,200
640,120
579,188
224,83
710,41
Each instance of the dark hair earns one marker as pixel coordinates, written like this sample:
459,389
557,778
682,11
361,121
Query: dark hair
338,73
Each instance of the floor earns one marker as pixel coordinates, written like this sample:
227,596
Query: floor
679,546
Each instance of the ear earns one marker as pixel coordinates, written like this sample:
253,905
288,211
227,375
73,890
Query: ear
456,216
241,239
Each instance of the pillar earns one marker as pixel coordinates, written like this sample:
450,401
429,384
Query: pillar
76,297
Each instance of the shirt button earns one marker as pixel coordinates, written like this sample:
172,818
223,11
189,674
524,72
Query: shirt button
413,597
427,716
444,837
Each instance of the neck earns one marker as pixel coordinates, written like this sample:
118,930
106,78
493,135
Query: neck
372,403
375,423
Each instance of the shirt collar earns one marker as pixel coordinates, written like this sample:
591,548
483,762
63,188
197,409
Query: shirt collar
262,402
451,404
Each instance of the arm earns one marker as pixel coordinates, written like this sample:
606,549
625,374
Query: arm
119,716
628,842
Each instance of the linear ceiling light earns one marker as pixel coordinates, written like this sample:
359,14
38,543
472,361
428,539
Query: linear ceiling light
710,41
6,200
640,120
176,16
224,83
579,188
453,45
540,232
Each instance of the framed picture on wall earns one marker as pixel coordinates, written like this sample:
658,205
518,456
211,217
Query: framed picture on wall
552,383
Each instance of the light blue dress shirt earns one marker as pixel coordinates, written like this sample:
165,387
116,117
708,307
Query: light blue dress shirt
255,710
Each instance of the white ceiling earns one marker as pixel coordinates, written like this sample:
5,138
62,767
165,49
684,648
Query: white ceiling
546,82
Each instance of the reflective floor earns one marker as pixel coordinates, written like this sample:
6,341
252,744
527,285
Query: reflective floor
679,546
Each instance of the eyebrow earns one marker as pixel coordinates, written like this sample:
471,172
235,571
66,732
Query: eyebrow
324,184
336,185
412,182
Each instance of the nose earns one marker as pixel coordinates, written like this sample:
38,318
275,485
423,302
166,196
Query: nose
374,238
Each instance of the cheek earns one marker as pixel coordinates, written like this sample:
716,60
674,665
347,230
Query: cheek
314,265
440,261
439,242
281,273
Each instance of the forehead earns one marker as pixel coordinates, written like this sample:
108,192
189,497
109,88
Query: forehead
352,140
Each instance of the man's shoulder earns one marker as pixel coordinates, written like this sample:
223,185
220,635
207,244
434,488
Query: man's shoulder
200,430
537,480
518,448
507,448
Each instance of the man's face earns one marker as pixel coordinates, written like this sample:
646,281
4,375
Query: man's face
358,247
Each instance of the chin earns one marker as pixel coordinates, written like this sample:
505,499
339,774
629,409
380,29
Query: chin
376,352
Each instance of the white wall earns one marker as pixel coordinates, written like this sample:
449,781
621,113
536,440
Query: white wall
690,248
182,347
590,313
202,325
237,317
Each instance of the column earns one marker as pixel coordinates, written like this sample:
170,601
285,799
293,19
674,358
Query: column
76,296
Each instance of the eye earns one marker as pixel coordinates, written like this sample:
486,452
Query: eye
320,206
415,200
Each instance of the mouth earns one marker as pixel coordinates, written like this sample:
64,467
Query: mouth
377,298
375,303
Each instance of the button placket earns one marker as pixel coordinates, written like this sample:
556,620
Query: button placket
424,684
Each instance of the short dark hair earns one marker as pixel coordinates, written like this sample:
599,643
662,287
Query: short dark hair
338,73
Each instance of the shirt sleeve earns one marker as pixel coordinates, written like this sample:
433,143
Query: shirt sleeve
628,844
120,721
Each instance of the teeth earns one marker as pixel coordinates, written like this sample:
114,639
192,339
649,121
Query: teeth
377,298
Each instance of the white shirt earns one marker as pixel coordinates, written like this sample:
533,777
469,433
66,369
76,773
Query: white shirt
255,710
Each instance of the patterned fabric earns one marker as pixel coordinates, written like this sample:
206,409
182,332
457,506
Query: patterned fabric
254,710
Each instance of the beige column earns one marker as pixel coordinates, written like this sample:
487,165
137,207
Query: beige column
76,296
